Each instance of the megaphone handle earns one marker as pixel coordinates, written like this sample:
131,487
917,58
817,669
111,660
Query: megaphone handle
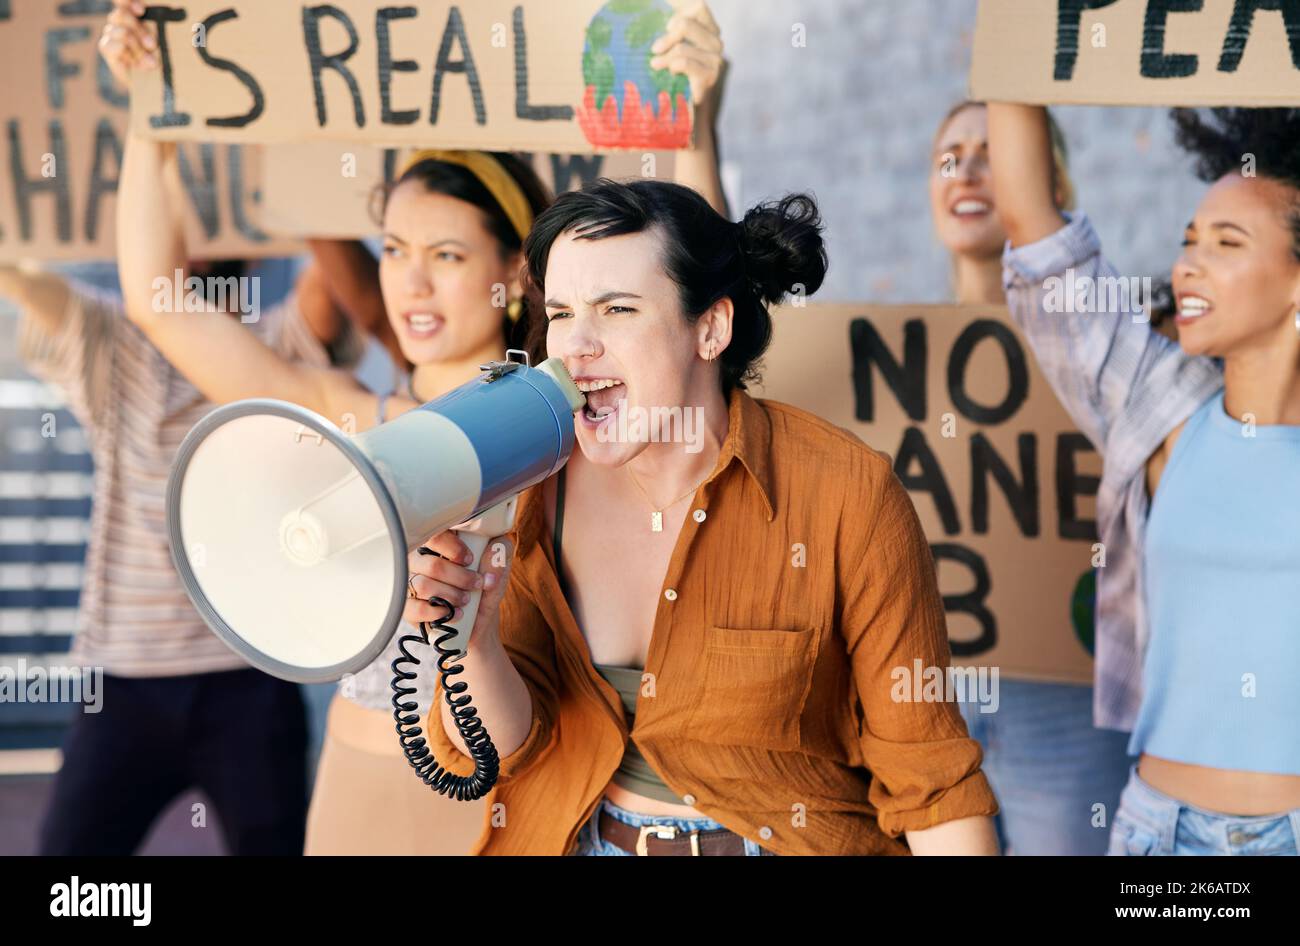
477,544
476,533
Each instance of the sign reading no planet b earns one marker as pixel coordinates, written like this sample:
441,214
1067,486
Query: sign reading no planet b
1003,484
535,75
1138,52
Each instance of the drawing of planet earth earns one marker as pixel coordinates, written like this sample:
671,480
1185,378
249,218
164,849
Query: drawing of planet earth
626,104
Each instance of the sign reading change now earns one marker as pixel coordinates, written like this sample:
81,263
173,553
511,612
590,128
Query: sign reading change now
1003,483
541,75
63,122
1138,52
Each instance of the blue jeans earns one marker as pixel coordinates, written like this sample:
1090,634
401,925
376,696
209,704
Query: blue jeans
1049,767
591,845
1150,822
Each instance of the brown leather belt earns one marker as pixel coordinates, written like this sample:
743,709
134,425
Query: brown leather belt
665,839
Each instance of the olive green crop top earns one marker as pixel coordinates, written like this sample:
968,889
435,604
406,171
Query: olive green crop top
634,772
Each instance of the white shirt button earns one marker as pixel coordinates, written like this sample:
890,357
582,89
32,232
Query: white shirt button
699,515
670,594
765,832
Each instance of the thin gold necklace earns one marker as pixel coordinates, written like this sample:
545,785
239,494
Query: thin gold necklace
657,515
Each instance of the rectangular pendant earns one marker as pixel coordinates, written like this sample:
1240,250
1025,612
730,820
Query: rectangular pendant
656,522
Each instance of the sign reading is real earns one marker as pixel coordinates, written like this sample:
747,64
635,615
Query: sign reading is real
504,75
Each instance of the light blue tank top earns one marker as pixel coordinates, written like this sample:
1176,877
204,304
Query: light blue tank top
1221,677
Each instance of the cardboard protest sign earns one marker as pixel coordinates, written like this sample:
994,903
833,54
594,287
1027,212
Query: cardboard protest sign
1138,52
492,74
63,126
328,189
1003,484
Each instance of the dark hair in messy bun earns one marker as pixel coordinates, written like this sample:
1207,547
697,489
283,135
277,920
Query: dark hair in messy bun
1221,138
775,251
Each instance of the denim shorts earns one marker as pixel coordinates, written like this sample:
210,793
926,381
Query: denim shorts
1048,765
590,843
1150,822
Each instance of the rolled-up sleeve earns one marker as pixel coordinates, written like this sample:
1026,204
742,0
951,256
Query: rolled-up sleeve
925,768
530,644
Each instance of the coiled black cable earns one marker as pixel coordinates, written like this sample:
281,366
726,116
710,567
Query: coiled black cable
414,746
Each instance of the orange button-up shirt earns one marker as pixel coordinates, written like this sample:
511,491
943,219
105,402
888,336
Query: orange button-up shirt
801,583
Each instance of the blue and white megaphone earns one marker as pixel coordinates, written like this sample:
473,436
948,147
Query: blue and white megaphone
291,536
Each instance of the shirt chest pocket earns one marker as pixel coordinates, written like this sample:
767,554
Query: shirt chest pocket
754,684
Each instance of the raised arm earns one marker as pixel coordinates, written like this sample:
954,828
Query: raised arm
42,297
225,361
1084,320
692,46
1024,173
350,274
323,317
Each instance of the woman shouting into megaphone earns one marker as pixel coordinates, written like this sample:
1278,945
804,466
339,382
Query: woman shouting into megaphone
698,647
453,227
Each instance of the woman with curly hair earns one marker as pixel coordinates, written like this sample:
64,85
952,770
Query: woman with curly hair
1199,601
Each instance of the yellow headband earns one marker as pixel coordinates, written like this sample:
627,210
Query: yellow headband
504,189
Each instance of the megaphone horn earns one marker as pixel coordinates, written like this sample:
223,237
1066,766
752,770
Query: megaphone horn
291,536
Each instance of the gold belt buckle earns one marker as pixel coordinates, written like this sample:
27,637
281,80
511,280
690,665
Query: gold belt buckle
666,832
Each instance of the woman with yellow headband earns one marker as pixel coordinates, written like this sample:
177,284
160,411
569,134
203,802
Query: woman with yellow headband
454,223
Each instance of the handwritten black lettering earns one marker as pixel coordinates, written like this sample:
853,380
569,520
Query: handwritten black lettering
170,118
1017,372
455,33
1070,485
906,380
1156,63
523,109
928,479
25,188
970,602
1022,497
311,17
225,65
56,67
388,65
1243,20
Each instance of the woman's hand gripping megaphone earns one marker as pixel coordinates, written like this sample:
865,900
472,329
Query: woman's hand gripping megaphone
444,574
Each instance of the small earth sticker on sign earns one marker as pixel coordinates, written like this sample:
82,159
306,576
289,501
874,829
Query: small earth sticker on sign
626,104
